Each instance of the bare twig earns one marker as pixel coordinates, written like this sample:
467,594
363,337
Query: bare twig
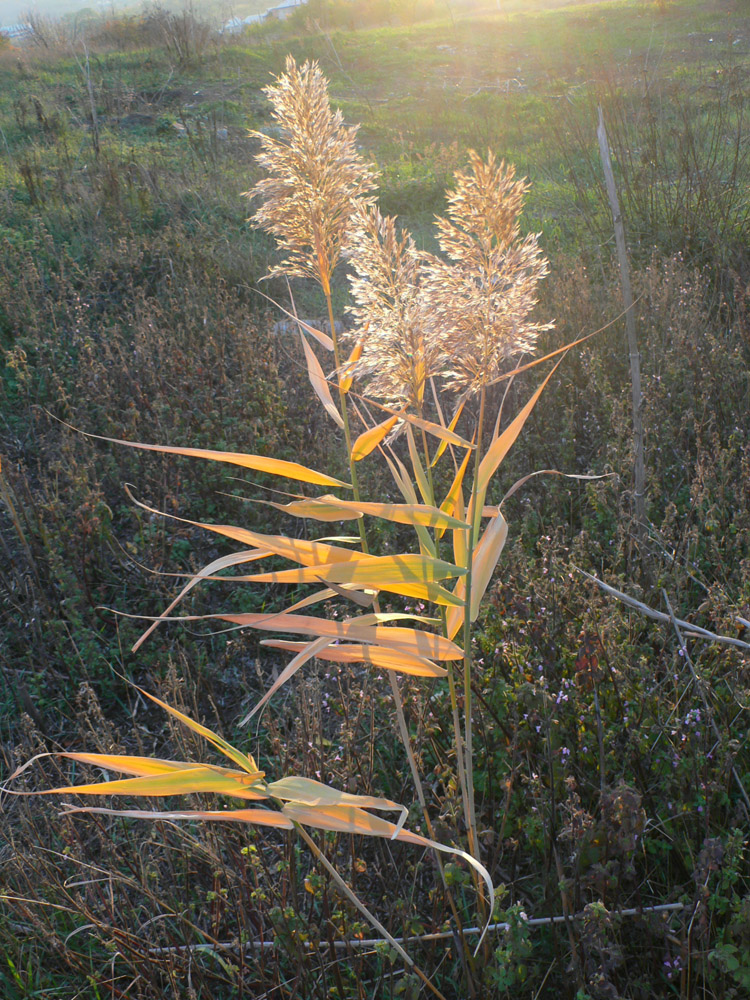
695,631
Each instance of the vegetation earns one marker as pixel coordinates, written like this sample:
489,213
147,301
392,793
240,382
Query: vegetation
607,749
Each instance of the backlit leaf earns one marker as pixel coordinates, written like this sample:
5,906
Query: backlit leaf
305,654
178,782
416,463
330,508
376,656
245,761
502,443
450,437
306,791
259,463
347,372
485,559
319,383
484,562
427,644
451,427
258,817
369,440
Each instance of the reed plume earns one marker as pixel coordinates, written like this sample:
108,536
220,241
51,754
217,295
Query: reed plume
400,349
316,176
480,297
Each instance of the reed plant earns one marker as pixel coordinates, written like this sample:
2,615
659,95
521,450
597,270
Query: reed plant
430,335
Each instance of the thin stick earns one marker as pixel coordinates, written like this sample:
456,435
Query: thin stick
695,631
358,943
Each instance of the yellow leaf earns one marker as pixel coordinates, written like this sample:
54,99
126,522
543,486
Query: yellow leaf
259,463
381,617
319,383
305,654
372,571
502,443
460,541
451,427
401,478
258,817
483,564
305,791
370,439
297,549
409,575
125,764
245,761
416,464
448,505
379,657
485,559
323,509
179,782
450,437
330,508
413,514
427,644
347,374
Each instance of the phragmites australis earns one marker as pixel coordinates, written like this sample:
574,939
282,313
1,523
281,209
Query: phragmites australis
480,297
400,350
316,176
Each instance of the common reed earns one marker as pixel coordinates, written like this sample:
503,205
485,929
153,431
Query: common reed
420,322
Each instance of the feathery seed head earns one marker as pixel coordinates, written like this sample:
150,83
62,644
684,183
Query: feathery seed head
481,296
400,351
316,176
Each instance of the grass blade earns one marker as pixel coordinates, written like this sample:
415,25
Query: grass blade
236,558
244,761
375,656
177,782
369,440
320,383
258,817
502,443
305,654
259,463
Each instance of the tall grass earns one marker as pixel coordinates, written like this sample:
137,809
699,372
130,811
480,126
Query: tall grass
422,323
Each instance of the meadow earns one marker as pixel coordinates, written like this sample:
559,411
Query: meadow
611,766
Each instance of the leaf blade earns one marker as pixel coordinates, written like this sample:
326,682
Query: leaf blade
320,383
379,657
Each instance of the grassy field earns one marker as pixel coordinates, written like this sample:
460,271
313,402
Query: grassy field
612,768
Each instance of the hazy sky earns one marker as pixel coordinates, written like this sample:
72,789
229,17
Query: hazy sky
12,11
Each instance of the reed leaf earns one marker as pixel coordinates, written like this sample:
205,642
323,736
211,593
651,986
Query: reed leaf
375,656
